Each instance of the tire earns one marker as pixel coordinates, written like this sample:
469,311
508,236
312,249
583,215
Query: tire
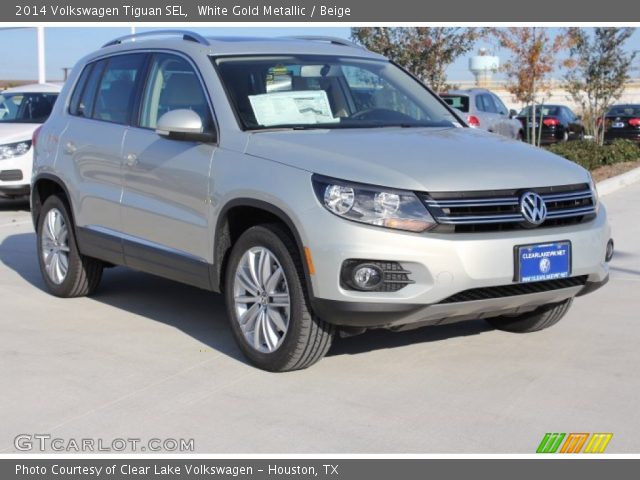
539,319
290,338
565,136
82,274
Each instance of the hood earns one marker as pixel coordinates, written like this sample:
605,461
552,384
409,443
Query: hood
16,132
423,159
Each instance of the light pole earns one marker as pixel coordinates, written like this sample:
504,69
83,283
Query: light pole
41,58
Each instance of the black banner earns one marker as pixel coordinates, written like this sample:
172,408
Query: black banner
161,11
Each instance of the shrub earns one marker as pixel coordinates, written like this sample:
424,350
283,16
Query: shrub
585,153
590,155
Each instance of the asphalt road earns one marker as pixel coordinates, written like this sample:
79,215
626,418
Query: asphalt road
148,358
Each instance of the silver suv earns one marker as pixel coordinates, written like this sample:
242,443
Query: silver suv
318,186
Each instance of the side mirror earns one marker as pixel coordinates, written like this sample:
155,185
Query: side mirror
513,113
579,118
183,124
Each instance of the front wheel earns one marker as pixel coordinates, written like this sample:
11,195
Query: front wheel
539,319
268,305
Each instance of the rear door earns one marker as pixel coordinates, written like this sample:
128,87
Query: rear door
165,202
91,145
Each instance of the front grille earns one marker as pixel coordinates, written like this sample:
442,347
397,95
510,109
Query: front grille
487,293
10,175
499,210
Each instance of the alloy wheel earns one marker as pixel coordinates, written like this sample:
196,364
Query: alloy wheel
262,299
55,246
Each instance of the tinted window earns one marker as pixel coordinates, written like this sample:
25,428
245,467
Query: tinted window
461,102
17,107
624,111
77,91
115,97
173,84
546,111
83,107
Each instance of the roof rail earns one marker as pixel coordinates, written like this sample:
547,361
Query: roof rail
186,35
323,38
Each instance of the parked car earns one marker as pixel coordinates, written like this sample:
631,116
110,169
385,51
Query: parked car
559,123
247,167
484,109
622,121
22,110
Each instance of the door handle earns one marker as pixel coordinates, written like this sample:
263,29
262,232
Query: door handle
70,148
131,160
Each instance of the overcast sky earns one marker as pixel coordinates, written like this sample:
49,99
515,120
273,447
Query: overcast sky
65,45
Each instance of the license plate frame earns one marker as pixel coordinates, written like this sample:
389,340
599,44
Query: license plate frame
526,273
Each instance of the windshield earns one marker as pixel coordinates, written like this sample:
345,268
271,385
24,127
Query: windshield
546,111
461,102
26,107
327,92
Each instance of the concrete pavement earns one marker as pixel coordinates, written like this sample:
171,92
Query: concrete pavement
146,357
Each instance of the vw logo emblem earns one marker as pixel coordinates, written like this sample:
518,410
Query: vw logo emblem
545,265
533,208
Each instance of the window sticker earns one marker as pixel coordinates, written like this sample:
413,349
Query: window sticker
291,108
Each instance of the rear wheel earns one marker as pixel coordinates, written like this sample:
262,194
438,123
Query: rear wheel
66,272
268,305
539,319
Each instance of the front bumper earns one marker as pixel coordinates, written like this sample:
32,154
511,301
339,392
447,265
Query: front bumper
441,266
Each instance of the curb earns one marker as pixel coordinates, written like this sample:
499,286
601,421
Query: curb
613,184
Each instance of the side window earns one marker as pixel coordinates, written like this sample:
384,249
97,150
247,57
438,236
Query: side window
82,106
502,109
173,84
489,106
115,97
480,103
80,85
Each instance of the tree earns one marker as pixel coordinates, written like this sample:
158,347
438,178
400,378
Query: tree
599,69
533,58
424,51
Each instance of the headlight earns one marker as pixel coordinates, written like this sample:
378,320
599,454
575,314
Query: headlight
11,150
383,207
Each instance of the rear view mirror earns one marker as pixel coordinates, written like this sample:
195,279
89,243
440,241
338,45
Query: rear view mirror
183,124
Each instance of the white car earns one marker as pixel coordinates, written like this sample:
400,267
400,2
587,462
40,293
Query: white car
22,110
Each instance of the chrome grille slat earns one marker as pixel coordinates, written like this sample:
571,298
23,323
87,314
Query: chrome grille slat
474,202
480,219
500,210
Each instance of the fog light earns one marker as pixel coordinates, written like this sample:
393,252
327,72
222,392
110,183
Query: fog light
366,277
609,252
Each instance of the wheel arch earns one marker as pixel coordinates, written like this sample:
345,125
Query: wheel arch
237,216
45,185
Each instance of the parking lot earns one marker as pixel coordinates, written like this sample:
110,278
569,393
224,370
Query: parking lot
146,357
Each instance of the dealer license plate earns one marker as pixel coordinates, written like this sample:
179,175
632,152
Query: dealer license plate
547,261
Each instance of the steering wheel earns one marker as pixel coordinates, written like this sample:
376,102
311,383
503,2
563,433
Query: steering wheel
382,114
